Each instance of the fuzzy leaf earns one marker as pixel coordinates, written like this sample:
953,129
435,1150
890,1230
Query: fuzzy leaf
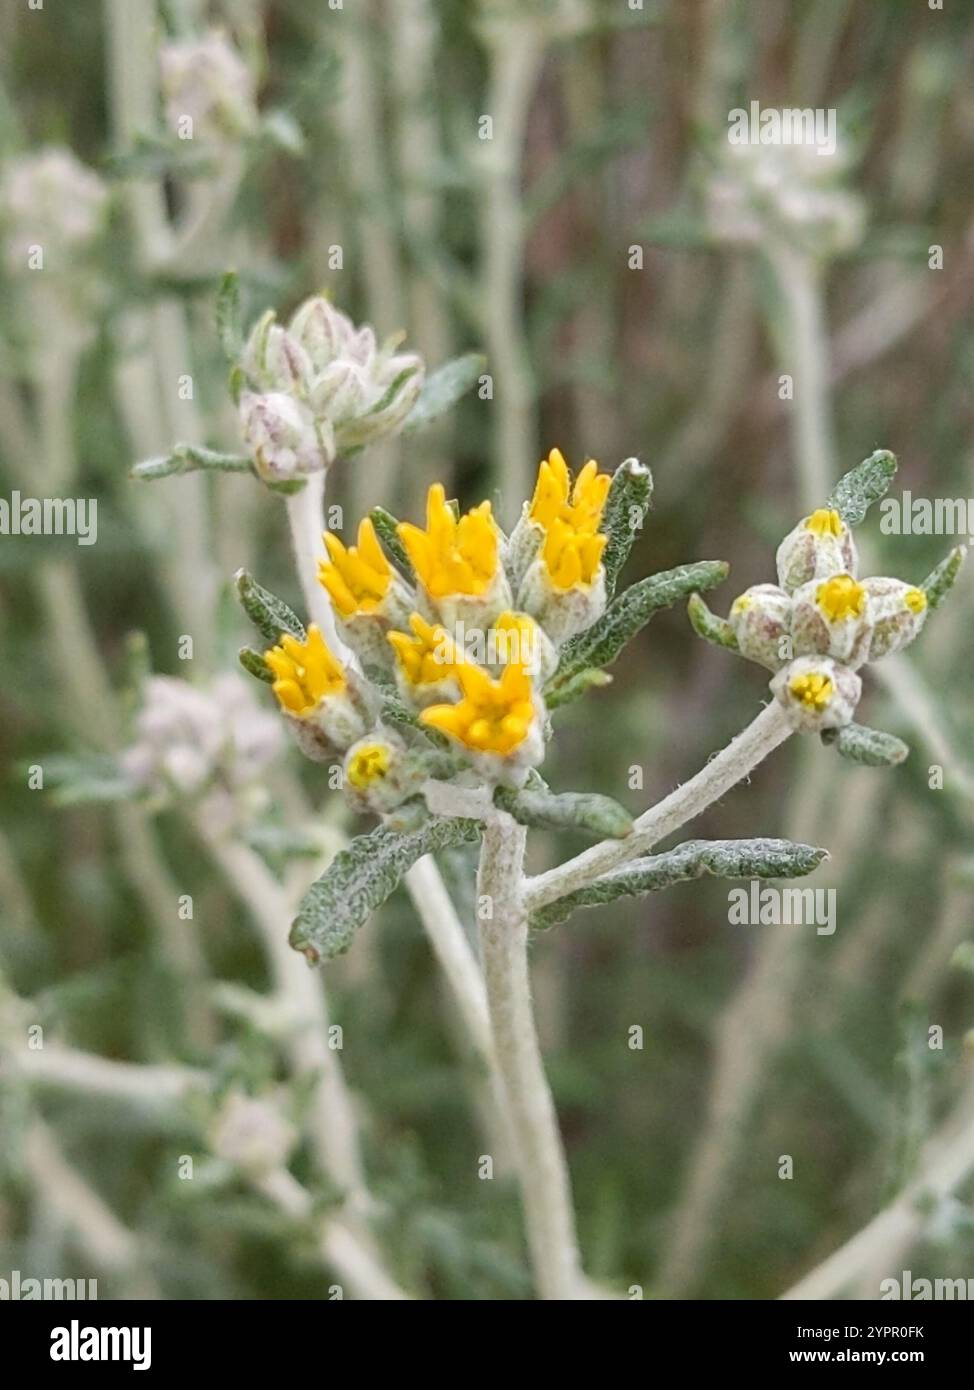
77,781
629,614
871,747
695,859
189,458
630,498
938,585
269,614
385,525
229,317
255,665
443,388
360,878
857,490
708,626
548,810
589,678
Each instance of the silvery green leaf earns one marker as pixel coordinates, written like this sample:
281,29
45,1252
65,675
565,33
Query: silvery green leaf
629,613
938,585
589,678
630,498
279,843
385,526
587,811
189,458
857,490
695,859
268,613
708,626
360,878
151,157
229,317
75,781
255,665
871,747
443,388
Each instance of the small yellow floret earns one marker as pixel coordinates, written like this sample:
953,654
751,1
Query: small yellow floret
306,672
570,516
741,604
812,690
357,578
493,716
451,556
841,597
825,522
915,600
369,763
428,657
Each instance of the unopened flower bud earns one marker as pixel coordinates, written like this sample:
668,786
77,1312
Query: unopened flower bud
380,774
274,360
833,617
281,435
50,201
820,545
760,619
252,1134
817,693
207,88
898,612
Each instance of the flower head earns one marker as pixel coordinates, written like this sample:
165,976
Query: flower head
354,390
820,546
453,556
206,82
357,577
426,660
817,693
50,200
306,672
493,716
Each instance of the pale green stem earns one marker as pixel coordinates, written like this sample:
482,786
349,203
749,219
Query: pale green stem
730,766
539,1153
514,57
804,356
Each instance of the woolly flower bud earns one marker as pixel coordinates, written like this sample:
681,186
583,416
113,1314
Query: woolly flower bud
761,621
820,545
207,88
365,392
789,191
817,693
274,360
188,737
897,611
281,435
51,201
251,1133
379,774
324,706
833,617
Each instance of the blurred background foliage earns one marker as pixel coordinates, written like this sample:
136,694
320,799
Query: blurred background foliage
758,1041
